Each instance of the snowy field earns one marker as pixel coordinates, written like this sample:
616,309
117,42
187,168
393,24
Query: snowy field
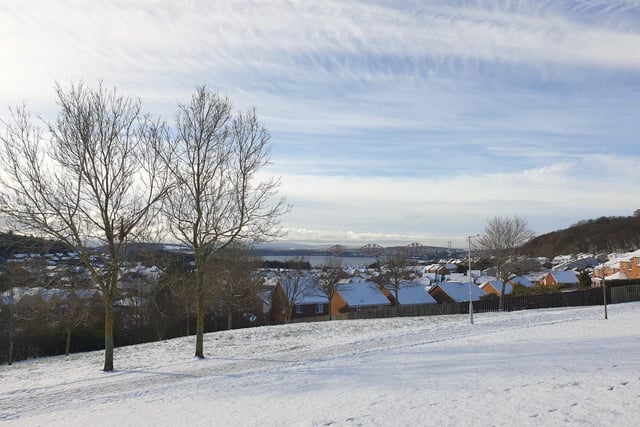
530,368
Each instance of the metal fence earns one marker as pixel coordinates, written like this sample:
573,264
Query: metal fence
403,311
574,298
625,294
593,296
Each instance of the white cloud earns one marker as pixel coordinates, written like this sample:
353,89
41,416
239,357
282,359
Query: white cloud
447,208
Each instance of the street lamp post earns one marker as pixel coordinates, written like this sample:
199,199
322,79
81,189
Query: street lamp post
469,274
604,292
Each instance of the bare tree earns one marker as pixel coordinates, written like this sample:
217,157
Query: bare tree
295,284
11,323
72,310
394,273
328,279
174,302
92,178
234,284
8,283
24,304
26,318
501,237
137,292
219,197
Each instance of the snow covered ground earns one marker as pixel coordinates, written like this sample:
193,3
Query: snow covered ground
529,368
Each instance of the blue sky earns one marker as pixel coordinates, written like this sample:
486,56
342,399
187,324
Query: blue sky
391,121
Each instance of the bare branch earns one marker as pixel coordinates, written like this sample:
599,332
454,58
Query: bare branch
94,177
501,237
217,197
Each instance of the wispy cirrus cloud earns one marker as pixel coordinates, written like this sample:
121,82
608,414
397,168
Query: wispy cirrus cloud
321,40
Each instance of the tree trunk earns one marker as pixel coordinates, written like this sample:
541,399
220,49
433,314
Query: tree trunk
504,278
397,302
10,350
67,346
108,332
229,320
288,312
604,295
200,330
12,332
199,315
109,294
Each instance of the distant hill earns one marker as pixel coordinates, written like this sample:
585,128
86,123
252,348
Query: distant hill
605,234
11,244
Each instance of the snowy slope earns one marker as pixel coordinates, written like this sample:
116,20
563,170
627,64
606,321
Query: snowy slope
531,368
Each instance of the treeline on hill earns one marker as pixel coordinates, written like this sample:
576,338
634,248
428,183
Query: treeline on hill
11,244
604,234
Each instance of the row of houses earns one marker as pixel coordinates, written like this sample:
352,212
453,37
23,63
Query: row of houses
559,279
354,294
565,271
433,286
361,294
624,266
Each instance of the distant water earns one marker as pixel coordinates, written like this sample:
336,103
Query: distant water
319,261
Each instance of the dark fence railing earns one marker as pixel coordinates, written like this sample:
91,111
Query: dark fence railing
625,294
592,296
574,298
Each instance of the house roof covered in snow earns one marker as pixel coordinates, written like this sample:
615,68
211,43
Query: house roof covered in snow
522,280
582,262
361,294
497,285
614,259
307,294
14,295
413,293
617,276
485,278
459,292
566,277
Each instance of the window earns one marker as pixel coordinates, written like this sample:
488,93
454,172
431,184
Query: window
298,309
638,261
320,308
